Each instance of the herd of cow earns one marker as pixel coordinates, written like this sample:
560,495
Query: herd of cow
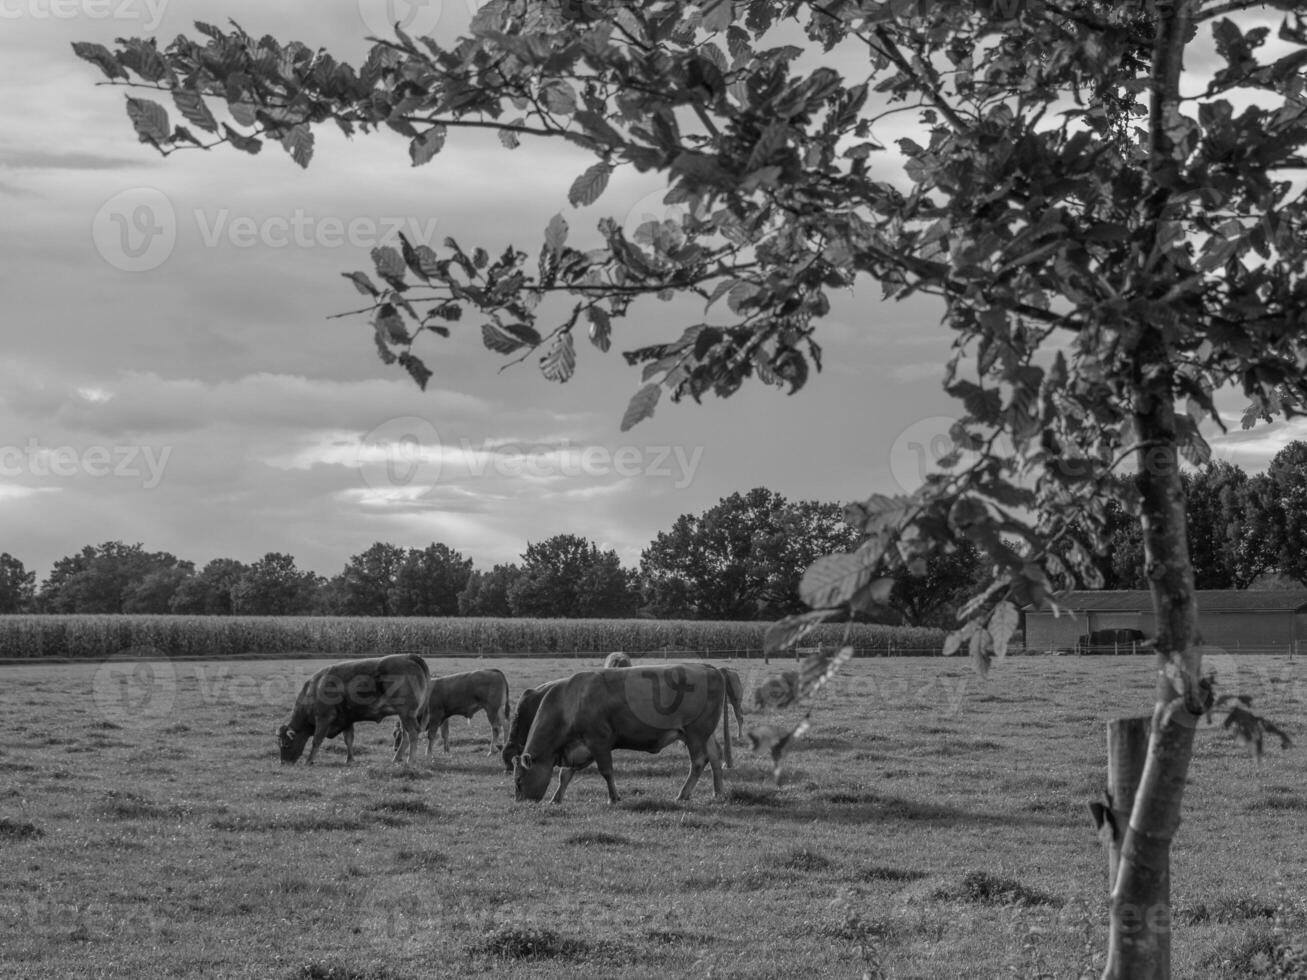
567,723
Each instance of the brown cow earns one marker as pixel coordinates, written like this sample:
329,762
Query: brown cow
523,717
336,697
616,659
463,695
581,720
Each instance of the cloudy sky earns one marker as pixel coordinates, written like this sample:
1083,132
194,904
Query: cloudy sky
171,374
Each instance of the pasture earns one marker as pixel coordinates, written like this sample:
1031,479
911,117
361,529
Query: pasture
931,825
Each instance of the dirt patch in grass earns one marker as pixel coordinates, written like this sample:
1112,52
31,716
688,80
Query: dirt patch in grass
651,805
984,888
1226,910
19,830
402,806
597,838
124,805
295,824
530,943
880,872
1261,951
744,796
421,859
341,971
806,859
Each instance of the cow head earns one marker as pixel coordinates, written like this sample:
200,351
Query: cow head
291,743
510,754
531,777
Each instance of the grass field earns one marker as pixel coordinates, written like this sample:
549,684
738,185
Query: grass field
931,825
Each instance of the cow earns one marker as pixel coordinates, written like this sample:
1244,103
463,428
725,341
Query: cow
523,716
616,659
462,695
581,720
336,697
778,691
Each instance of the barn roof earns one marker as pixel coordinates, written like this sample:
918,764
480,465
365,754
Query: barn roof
1209,600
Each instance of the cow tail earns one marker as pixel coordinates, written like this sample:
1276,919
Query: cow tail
726,723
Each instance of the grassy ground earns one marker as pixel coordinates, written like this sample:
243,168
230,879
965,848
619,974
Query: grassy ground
930,825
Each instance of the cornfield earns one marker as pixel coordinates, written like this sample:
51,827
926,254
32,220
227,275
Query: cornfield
99,636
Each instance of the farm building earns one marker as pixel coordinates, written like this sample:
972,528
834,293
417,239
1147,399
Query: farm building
1254,621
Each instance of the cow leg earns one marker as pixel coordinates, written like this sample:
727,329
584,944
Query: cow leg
409,741
318,736
739,722
603,757
698,758
444,734
564,777
349,744
715,760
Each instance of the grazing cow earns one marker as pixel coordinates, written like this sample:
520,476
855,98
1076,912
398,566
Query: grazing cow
523,716
581,720
462,695
336,697
617,659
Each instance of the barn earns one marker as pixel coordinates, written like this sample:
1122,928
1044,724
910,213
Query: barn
1252,621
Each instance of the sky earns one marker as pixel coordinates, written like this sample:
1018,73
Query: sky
173,375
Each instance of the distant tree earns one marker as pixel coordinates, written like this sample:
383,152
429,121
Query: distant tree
101,578
154,592
209,591
933,599
1119,547
568,576
486,593
1279,512
273,586
740,559
1227,552
429,581
366,585
17,585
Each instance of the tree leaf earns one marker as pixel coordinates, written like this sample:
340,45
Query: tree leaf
601,328
196,111
556,234
362,283
834,579
1003,622
785,633
498,340
426,145
559,362
99,55
587,188
416,369
149,119
642,406
298,142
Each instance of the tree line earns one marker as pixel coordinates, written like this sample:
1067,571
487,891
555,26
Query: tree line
741,559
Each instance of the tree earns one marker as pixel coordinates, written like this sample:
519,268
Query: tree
210,591
1279,505
153,592
741,558
568,576
17,585
1109,255
429,582
1227,552
367,584
486,593
933,599
273,586
101,579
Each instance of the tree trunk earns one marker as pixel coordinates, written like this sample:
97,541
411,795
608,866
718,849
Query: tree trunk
1139,942
1127,750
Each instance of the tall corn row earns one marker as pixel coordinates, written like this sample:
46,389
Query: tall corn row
96,636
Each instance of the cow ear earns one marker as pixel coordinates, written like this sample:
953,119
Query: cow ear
525,760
